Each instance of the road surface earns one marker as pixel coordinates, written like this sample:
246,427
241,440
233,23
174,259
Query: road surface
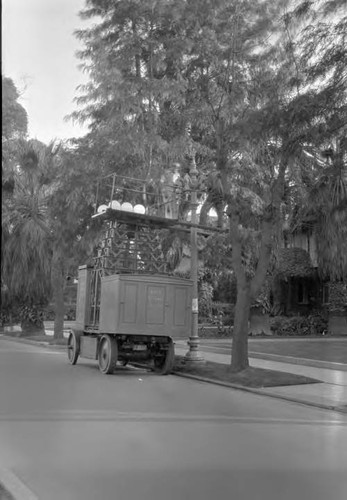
69,432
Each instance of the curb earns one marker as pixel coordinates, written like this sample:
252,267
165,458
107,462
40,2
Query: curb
16,488
260,392
33,342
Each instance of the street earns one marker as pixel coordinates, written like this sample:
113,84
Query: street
71,433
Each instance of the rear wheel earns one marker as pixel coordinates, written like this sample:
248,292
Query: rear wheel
107,354
163,363
73,347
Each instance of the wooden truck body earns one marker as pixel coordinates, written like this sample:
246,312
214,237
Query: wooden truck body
137,317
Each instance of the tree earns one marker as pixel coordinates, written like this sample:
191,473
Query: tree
323,50
198,95
44,219
73,233
14,126
239,92
133,86
14,116
26,256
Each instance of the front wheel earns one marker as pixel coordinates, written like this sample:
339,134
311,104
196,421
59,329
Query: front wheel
163,363
73,347
107,354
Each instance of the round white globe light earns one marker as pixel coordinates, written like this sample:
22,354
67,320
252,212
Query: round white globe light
139,209
212,213
102,209
115,205
127,207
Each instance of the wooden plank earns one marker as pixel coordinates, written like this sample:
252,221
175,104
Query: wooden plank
132,218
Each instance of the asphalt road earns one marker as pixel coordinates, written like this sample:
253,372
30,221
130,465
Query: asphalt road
71,433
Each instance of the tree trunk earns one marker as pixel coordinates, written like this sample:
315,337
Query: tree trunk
239,357
248,291
57,275
206,207
220,213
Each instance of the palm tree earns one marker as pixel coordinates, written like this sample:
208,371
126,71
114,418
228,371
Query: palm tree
329,200
26,229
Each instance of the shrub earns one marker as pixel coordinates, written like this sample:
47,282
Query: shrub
282,325
31,318
205,299
338,297
69,314
314,324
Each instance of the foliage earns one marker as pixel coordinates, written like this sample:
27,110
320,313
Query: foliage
329,199
49,313
44,219
338,297
262,301
14,116
72,206
321,53
215,332
294,262
314,324
14,127
31,318
205,299
133,98
225,287
26,233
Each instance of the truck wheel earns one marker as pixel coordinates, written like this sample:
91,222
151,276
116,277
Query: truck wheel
107,354
73,347
163,364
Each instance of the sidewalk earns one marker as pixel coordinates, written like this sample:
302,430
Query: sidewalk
330,394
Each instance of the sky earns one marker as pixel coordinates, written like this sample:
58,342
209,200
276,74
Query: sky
38,53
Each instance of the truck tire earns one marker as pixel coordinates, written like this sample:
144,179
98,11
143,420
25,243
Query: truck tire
73,346
107,354
164,364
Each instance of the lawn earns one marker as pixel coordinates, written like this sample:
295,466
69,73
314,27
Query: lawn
251,377
323,350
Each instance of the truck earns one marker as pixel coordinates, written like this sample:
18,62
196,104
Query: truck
129,308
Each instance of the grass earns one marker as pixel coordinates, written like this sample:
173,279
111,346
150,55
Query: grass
251,377
320,349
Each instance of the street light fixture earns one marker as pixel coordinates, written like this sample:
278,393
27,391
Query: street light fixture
193,355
